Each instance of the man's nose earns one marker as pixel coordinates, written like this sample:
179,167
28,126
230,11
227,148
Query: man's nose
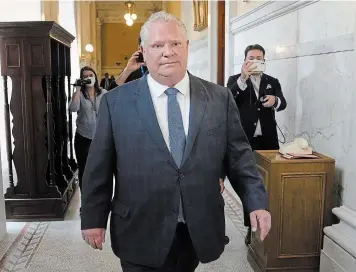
167,51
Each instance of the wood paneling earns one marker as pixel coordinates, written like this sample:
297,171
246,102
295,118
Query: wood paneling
35,55
299,198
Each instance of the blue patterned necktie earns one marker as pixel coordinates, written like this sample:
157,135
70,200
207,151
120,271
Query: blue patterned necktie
176,135
175,127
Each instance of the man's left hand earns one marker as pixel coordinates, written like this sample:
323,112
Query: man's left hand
269,101
261,219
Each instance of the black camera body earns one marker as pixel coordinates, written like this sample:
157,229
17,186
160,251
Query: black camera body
82,82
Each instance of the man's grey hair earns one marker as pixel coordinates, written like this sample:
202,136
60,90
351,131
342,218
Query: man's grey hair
160,16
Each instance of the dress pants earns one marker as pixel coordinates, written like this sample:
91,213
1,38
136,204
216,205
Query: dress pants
181,257
81,146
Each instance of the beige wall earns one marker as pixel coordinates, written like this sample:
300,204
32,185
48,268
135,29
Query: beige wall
118,40
188,19
174,7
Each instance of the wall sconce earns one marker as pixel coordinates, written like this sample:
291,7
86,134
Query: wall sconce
89,48
130,15
86,58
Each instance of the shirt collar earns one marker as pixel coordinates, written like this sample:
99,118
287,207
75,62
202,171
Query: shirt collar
158,89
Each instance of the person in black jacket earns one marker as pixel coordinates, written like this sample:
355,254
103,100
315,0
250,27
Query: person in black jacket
258,96
134,69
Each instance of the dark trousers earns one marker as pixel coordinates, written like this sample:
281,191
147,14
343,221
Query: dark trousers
263,143
181,257
81,146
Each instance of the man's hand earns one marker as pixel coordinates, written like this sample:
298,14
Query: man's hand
269,101
132,64
94,237
261,219
246,69
222,187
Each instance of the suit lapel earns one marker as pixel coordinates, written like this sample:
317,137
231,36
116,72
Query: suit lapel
147,113
263,86
198,101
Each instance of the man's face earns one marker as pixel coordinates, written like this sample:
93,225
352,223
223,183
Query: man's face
106,75
166,53
254,54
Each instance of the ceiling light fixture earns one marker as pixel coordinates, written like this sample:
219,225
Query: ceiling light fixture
130,15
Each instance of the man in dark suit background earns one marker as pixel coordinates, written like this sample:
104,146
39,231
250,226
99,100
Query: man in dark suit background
166,137
134,69
258,96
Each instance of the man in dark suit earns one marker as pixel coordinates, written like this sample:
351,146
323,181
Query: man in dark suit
167,136
258,96
134,69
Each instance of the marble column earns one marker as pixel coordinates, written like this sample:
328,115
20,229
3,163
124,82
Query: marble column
98,48
213,40
85,15
49,10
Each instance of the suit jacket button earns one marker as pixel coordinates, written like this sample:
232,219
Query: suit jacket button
255,124
181,176
258,109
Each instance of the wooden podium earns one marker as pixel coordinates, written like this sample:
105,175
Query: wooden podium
299,197
35,57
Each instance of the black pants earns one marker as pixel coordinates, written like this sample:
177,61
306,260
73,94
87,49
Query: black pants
81,146
263,143
181,257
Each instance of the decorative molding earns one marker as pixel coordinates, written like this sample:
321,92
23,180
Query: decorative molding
344,233
198,44
343,43
113,12
335,258
266,12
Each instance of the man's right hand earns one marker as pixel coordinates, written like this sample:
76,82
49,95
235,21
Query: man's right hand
132,64
246,69
94,237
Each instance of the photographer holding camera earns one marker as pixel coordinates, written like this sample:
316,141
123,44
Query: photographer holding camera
85,102
258,96
134,69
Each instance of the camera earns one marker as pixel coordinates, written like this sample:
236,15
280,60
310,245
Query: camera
260,66
82,82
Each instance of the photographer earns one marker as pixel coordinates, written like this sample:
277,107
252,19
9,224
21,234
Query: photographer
258,96
85,102
134,69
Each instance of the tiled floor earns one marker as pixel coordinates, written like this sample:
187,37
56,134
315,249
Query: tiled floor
57,246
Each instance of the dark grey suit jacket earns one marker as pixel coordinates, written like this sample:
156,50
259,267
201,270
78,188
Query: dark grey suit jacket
144,209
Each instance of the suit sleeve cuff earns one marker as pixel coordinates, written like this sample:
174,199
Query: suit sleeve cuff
278,100
242,84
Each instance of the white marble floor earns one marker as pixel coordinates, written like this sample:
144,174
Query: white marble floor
58,247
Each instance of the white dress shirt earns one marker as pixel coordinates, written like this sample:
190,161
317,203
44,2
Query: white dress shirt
256,82
160,102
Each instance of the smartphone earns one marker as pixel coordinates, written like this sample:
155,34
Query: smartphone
140,58
260,66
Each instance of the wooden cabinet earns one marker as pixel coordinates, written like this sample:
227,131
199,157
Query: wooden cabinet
299,196
35,57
